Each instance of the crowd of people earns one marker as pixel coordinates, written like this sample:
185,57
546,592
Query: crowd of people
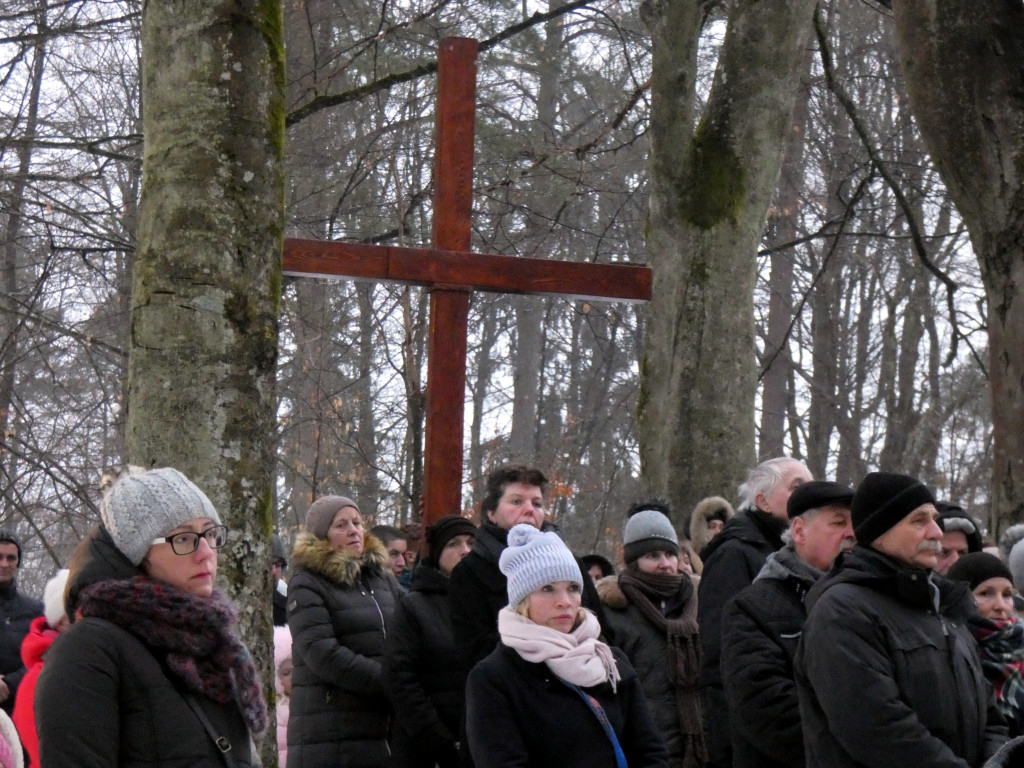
815,625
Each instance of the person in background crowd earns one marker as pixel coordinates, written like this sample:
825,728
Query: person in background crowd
151,672
397,546
762,624
731,561
690,562
278,565
16,614
341,597
596,567
652,609
998,632
414,538
960,535
552,694
283,688
708,519
421,661
887,671
11,753
43,631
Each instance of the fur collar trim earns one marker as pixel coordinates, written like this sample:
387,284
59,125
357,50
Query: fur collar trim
342,567
611,593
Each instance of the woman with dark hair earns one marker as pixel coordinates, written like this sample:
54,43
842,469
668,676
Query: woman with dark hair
551,693
652,609
340,601
150,673
997,630
421,670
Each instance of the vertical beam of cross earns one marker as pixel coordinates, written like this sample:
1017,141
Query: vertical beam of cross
449,304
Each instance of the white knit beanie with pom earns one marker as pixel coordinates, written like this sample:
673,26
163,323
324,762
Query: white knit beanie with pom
534,558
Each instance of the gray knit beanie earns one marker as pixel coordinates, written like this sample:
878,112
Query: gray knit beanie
321,513
648,530
534,558
143,505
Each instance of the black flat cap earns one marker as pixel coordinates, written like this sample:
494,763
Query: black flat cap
817,494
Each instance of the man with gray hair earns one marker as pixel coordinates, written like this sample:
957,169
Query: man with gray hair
761,627
887,671
731,561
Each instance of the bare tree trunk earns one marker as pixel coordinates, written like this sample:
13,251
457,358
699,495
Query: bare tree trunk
710,190
208,275
962,63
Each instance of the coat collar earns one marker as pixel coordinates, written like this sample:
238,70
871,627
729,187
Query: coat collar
340,566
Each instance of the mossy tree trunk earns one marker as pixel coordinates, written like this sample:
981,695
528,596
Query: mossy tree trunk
710,188
964,61
207,277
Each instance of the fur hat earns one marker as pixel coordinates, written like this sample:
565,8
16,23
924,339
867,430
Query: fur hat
882,500
534,558
142,505
817,494
647,530
976,567
443,530
53,598
321,513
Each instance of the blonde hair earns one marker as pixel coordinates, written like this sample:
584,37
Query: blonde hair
524,610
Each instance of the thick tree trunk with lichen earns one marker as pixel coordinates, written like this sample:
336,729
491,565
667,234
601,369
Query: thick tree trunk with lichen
710,190
964,60
208,273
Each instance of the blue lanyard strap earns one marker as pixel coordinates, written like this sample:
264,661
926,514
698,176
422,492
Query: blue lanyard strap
602,717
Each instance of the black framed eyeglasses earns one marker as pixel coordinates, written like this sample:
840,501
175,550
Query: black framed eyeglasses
187,542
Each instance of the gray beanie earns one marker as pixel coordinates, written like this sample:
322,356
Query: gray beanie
321,513
141,506
648,531
534,558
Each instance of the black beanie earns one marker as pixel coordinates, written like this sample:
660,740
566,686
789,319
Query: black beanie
978,567
443,530
882,500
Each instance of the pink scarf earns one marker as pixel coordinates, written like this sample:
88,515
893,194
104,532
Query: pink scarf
578,657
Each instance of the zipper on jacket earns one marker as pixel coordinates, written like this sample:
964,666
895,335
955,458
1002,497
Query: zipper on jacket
368,591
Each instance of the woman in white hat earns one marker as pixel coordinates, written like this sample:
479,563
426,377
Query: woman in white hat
150,673
551,693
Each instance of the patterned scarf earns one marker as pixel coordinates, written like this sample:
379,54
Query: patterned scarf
578,657
1001,645
193,634
648,591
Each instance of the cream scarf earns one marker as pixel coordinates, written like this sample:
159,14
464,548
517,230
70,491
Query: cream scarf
578,657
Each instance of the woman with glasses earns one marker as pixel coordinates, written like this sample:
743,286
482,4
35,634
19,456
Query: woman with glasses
150,672
340,600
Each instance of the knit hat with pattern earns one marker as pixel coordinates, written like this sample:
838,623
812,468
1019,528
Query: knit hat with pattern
143,505
534,558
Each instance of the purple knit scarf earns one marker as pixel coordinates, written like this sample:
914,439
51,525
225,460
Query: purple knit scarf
193,634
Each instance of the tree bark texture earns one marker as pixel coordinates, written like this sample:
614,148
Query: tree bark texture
709,193
207,279
964,60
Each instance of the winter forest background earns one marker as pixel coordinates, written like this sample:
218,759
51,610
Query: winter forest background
865,358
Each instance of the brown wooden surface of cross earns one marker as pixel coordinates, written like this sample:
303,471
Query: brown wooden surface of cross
450,272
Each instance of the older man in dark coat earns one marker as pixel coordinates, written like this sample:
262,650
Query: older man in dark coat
887,671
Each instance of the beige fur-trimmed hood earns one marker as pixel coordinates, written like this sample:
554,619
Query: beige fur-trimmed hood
339,566
611,593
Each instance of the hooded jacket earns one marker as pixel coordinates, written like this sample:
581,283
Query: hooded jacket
421,675
37,642
648,651
706,509
339,609
887,671
761,627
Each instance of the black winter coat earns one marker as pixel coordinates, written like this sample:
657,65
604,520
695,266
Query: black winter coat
339,609
421,675
761,627
649,654
103,700
519,715
886,680
16,614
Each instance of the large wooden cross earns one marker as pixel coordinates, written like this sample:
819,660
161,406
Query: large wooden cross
450,272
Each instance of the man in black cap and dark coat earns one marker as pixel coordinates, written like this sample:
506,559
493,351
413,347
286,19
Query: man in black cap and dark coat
761,627
16,614
886,670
